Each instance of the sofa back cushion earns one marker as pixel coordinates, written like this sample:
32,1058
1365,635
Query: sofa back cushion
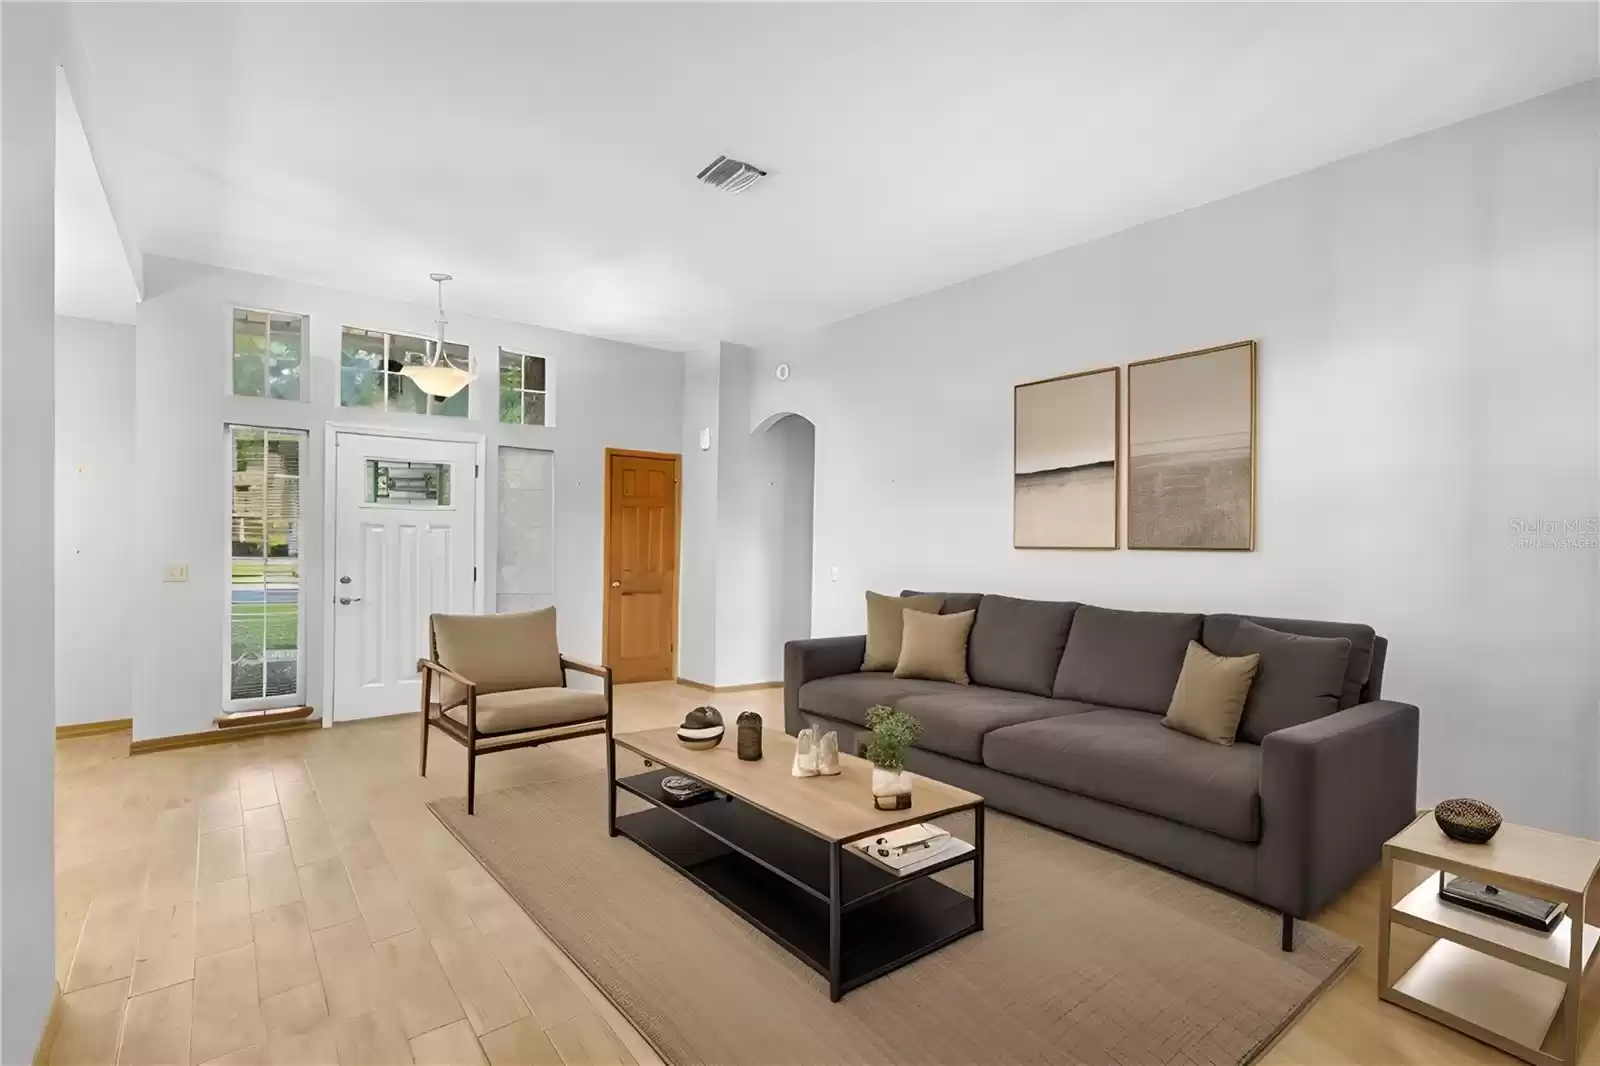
1363,646
1299,679
954,602
1017,644
1125,658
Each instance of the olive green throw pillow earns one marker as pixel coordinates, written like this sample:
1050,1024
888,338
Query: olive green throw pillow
1209,699
935,646
884,626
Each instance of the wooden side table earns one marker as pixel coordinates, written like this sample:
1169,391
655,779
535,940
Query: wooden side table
1494,980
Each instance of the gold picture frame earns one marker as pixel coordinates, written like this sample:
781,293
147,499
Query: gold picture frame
1066,461
1191,451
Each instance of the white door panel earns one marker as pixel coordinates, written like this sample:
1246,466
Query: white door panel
405,537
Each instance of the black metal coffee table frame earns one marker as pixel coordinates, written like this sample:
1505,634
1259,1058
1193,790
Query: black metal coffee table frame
841,914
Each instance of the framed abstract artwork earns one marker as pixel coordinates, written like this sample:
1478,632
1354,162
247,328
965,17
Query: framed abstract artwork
1064,451
1192,450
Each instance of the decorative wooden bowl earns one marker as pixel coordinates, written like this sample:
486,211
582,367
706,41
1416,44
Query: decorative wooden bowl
1467,820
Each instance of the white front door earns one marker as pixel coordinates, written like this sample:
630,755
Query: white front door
404,548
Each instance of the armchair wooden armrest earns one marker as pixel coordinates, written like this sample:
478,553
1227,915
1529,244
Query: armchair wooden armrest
585,668
445,671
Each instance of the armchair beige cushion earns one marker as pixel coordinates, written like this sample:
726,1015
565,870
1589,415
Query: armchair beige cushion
532,708
497,652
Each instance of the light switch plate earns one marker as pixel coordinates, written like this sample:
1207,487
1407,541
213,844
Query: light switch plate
833,572
175,572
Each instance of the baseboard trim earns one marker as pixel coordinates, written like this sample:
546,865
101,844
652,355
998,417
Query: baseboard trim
93,729
52,1026
219,736
729,688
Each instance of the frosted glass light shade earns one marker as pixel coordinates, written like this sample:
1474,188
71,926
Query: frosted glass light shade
442,380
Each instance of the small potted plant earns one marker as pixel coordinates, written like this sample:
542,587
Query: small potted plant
885,747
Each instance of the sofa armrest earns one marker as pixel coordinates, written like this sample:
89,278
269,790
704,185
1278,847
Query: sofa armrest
1332,791
807,660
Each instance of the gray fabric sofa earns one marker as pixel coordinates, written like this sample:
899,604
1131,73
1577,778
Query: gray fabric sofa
1062,726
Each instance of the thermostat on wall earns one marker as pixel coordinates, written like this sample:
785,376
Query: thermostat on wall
782,371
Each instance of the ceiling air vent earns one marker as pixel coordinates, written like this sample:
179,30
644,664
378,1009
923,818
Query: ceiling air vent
730,175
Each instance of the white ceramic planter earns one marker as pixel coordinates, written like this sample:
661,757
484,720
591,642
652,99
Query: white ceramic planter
891,789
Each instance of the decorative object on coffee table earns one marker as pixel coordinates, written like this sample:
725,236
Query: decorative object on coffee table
1467,820
805,754
702,729
680,791
748,726
885,747
828,754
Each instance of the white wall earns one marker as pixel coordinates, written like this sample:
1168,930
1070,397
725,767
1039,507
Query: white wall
1428,374
605,394
745,572
33,41
95,493
697,563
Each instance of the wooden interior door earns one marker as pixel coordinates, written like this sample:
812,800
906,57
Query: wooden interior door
641,541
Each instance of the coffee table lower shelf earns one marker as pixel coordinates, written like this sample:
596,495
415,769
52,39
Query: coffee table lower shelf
879,934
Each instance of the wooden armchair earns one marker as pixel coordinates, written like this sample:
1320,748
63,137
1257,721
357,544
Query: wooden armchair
503,685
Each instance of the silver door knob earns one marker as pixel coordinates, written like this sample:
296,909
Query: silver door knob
347,600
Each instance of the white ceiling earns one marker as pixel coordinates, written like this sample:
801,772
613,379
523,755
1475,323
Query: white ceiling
545,154
93,279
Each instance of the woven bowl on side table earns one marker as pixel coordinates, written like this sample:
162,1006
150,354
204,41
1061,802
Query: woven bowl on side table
1467,820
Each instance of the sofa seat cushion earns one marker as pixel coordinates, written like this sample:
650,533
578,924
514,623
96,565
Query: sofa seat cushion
532,708
1016,644
848,697
1125,658
955,723
1130,759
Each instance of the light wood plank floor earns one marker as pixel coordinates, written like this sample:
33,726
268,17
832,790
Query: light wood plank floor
291,900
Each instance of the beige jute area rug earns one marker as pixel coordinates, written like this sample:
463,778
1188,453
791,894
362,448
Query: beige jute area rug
1087,956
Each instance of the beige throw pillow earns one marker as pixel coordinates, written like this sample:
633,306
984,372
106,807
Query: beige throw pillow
1209,699
884,626
934,646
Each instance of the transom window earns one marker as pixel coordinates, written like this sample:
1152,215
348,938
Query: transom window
370,362
402,483
264,572
268,351
522,388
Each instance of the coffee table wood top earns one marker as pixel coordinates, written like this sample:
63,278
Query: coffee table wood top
835,808
1534,857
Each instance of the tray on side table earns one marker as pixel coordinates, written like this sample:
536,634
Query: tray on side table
1494,980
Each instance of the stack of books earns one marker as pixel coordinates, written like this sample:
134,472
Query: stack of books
907,850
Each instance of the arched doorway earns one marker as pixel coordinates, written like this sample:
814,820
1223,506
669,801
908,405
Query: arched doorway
786,447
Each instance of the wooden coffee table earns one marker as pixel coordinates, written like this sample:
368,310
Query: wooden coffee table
1492,979
776,849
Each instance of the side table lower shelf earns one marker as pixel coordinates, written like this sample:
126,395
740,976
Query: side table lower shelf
1496,981
1466,985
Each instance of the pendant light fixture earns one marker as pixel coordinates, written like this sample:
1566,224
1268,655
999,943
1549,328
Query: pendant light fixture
438,377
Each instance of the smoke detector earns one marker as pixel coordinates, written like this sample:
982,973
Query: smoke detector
730,175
